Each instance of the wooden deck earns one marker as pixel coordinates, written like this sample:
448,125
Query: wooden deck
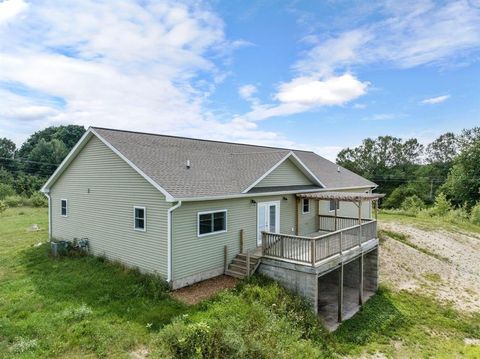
314,248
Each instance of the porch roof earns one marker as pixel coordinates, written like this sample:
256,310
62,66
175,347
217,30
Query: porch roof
342,196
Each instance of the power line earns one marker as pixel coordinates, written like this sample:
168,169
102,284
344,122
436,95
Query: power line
29,161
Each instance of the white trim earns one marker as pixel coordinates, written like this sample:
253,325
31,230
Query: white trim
168,196
66,161
277,217
303,205
170,240
210,212
49,215
308,170
263,194
144,229
267,173
287,156
66,207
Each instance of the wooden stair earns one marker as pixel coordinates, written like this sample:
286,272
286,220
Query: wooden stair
238,266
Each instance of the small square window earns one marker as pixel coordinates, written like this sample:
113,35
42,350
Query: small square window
64,207
139,217
305,206
332,205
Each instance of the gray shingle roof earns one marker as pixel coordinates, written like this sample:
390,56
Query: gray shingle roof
217,168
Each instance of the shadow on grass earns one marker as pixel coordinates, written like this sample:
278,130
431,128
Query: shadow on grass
378,317
109,289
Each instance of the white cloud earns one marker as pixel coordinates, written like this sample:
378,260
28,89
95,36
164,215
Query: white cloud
9,9
409,34
309,91
382,117
435,100
142,66
246,91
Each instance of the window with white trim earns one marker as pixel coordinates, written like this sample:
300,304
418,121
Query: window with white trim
332,205
139,218
212,222
305,206
64,207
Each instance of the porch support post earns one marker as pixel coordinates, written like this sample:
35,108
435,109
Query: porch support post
318,214
375,207
360,223
297,216
336,205
360,293
340,293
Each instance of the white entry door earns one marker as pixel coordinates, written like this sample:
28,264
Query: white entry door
268,218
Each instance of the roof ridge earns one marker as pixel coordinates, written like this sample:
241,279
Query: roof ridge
198,139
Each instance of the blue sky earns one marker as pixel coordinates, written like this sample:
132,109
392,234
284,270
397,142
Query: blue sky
316,75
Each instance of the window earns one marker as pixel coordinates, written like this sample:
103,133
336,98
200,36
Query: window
64,207
332,205
305,206
140,218
212,222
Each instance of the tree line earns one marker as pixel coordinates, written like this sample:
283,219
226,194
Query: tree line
24,170
449,165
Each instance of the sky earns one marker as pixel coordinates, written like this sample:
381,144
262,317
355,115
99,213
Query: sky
316,75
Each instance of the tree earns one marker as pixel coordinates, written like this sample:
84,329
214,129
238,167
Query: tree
45,157
7,154
443,150
388,161
463,182
69,135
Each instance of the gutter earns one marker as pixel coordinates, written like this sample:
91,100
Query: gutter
47,193
169,240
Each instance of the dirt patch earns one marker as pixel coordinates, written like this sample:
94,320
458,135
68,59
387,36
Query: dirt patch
203,290
455,280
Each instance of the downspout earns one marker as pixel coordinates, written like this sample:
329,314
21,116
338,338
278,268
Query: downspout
169,241
47,193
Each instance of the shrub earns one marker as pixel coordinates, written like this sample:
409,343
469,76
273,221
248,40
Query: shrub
442,205
413,204
13,201
475,214
6,190
39,200
3,207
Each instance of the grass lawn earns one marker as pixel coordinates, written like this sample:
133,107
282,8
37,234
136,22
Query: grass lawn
86,307
431,223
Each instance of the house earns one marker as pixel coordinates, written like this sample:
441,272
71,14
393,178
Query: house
190,209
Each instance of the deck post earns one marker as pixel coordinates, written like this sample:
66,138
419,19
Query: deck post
360,223
297,216
248,264
241,241
225,258
340,293
336,205
341,242
312,250
360,293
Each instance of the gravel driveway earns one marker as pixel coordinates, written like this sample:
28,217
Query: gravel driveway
449,271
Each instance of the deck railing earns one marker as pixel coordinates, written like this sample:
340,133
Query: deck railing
310,250
327,223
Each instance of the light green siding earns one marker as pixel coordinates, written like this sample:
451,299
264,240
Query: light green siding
348,209
101,190
193,255
286,174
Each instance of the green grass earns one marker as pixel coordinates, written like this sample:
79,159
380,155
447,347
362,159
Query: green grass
431,223
87,307
70,306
